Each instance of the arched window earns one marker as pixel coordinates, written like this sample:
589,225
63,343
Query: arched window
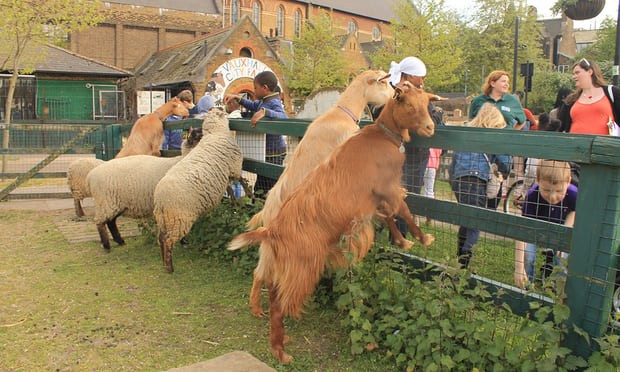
234,13
280,22
376,33
256,12
297,23
246,52
352,27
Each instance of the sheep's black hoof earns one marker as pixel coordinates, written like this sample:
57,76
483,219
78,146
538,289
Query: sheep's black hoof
120,241
106,247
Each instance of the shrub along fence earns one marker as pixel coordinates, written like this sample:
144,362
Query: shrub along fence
593,243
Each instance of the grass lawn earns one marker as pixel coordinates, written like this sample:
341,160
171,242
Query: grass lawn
75,307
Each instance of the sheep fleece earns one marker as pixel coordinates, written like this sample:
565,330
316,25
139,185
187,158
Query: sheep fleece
76,176
126,185
196,184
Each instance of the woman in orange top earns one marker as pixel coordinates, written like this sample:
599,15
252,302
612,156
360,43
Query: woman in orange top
592,104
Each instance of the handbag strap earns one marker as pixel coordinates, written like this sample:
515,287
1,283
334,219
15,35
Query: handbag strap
611,94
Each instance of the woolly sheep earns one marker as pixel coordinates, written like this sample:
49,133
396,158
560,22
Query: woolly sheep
196,184
76,179
125,186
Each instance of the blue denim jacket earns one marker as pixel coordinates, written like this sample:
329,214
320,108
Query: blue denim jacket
475,164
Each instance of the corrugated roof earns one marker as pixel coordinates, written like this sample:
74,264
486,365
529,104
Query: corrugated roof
178,63
201,6
62,61
380,10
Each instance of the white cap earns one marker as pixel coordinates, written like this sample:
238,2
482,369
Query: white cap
410,65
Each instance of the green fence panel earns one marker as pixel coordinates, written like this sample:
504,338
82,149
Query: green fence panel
593,243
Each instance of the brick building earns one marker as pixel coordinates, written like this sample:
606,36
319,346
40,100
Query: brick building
368,20
234,55
132,30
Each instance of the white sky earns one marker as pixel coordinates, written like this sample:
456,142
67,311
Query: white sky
543,6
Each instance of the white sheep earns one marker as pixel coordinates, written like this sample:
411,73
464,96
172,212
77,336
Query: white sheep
76,179
125,186
195,185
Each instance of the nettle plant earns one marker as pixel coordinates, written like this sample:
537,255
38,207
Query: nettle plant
441,322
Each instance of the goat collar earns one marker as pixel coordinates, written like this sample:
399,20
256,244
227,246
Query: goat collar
398,138
161,118
355,119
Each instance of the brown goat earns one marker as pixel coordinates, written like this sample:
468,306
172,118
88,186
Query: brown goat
332,209
147,133
321,138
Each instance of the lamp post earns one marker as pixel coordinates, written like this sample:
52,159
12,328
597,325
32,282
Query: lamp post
516,55
616,68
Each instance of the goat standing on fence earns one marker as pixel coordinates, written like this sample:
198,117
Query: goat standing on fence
332,211
320,139
147,133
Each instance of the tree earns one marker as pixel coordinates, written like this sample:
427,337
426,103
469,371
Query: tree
604,48
489,41
25,25
316,60
426,31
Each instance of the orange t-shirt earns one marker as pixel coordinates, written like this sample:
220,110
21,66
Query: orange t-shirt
591,118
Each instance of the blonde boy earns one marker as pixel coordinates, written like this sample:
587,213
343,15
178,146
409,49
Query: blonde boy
553,199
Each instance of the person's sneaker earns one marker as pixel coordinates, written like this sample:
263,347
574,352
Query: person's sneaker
547,267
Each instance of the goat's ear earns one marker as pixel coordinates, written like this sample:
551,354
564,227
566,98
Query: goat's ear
384,77
433,97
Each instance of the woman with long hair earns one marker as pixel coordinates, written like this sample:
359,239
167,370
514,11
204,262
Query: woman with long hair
593,103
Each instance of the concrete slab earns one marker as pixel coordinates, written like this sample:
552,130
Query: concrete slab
41,204
236,361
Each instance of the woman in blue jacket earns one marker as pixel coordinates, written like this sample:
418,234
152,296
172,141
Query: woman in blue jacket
469,175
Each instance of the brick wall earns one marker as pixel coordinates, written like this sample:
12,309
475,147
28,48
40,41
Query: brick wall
129,34
269,19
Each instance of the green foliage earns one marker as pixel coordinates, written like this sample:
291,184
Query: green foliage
213,232
316,60
545,84
604,47
426,31
434,319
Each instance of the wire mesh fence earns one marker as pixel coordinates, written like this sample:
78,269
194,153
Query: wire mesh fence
465,223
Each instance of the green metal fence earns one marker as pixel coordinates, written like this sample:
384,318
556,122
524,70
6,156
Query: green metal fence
593,243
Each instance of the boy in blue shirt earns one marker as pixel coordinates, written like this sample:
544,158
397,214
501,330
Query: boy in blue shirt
268,105
553,198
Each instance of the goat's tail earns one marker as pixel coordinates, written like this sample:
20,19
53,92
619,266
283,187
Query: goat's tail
255,221
248,238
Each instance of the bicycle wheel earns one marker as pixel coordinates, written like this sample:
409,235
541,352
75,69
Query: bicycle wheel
511,205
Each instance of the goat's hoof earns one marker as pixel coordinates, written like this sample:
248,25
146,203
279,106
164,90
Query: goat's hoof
258,313
286,340
427,240
121,242
169,267
282,356
405,244
106,247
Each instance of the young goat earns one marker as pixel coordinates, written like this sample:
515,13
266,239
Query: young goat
332,209
147,133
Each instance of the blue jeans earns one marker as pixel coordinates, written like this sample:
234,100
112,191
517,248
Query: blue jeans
469,190
530,260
